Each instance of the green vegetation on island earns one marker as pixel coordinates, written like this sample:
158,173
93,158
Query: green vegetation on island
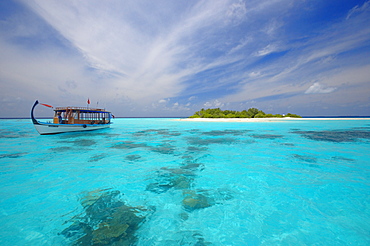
250,113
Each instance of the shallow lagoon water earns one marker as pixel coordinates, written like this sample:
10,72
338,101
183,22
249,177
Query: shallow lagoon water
167,182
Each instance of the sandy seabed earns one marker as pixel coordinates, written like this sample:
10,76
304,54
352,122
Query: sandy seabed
261,119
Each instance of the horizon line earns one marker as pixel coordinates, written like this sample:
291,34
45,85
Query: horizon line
164,117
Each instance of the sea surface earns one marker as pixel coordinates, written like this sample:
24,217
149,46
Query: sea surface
166,182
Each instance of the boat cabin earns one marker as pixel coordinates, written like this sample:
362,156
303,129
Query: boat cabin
81,115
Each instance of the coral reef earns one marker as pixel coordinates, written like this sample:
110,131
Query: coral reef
175,177
151,132
225,132
61,149
129,145
13,155
133,157
97,157
197,141
169,180
194,200
164,149
267,136
106,220
187,237
305,158
337,136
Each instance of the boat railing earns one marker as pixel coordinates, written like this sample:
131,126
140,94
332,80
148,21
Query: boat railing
79,108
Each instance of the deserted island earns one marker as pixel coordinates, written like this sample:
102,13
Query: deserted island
250,113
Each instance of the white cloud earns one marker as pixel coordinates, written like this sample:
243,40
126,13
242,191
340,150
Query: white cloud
254,74
163,101
312,60
214,104
237,12
240,45
318,88
272,28
267,50
140,53
358,9
137,45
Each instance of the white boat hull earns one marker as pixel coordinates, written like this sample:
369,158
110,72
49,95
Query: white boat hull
49,128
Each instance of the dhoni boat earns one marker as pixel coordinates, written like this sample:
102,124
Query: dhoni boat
73,119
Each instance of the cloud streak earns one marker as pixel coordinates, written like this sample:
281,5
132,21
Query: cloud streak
146,61
314,59
318,88
156,55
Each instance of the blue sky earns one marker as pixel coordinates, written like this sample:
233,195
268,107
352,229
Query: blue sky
172,58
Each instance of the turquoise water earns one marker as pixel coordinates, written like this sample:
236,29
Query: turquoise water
167,182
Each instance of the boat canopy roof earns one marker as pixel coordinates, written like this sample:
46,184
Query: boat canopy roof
81,109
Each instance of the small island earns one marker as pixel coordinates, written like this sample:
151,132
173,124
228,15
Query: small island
250,113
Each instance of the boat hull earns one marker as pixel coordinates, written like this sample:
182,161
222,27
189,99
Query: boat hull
49,128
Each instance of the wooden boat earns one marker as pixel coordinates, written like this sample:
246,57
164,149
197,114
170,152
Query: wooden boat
73,119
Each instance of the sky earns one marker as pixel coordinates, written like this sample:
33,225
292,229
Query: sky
164,58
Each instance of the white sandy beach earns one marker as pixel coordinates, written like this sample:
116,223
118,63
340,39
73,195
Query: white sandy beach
261,119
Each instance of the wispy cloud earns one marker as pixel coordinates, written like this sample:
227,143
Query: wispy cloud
267,50
236,12
214,104
318,57
318,88
147,60
157,55
359,9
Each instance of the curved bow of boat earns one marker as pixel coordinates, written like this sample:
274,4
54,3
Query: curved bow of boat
35,122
